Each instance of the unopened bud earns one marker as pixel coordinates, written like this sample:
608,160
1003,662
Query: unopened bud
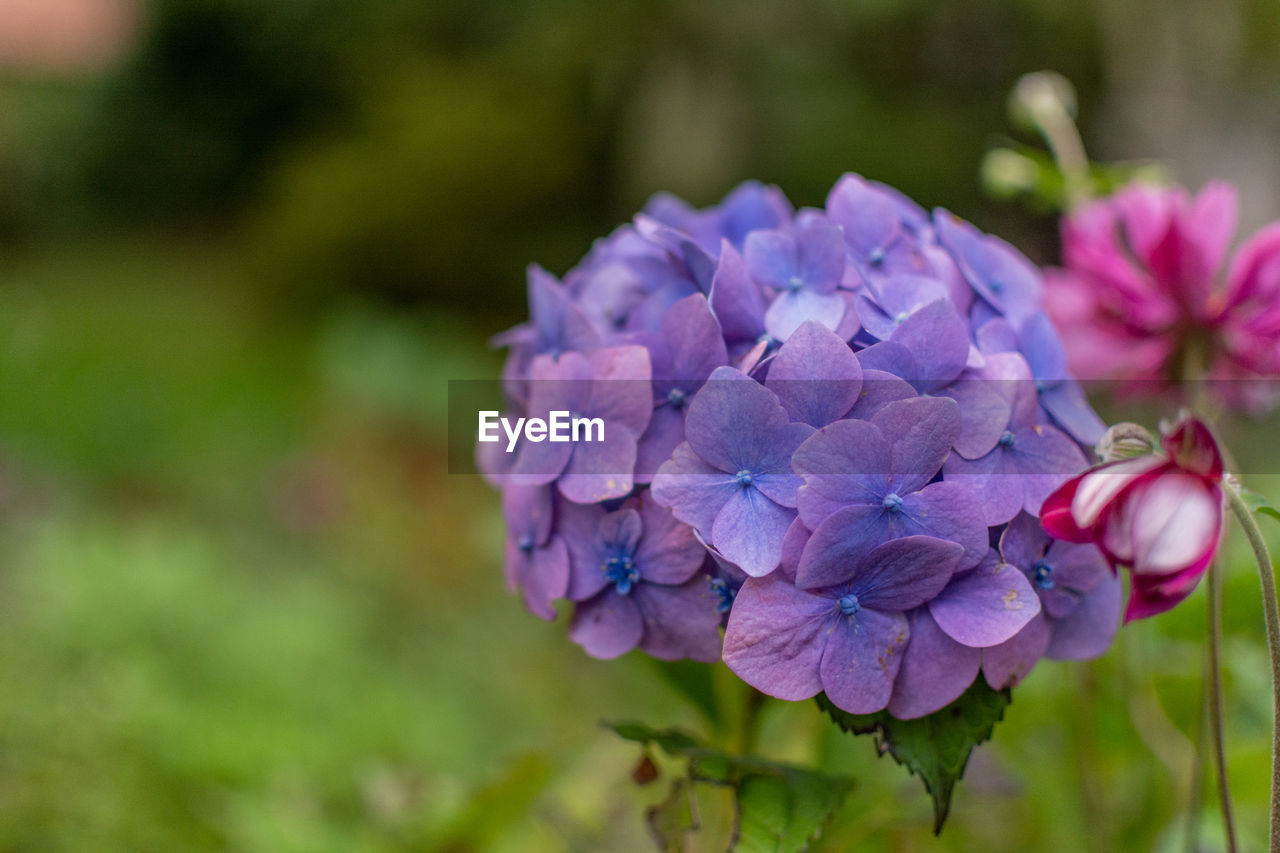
1125,441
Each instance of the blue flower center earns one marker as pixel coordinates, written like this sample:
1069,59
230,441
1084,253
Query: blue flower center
795,283
621,572
724,593
849,604
525,544
744,478
901,318
997,287
893,503
1006,439
676,398
1041,386
1042,574
876,256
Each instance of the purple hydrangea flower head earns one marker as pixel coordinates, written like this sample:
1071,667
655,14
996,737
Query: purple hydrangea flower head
817,424
731,478
636,575
792,640
1080,603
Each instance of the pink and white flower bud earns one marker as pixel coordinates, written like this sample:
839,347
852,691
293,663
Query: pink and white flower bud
1159,516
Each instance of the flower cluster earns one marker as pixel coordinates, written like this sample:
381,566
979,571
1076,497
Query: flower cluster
829,432
1158,515
1141,292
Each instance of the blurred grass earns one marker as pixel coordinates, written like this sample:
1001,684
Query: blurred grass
244,607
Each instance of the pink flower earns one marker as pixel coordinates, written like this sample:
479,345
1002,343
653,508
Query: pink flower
1141,288
1159,516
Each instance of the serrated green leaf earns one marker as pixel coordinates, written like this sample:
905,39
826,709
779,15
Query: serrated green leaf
672,818
784,813
935,747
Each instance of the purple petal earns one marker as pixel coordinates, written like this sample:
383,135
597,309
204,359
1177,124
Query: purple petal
770,257
607,626
984,411
935,670
987,606
693,340
732,420
749,531
904,573
776,635
994,480
846,536
938,339
679,621
776,479
527,512
1066,404
620,390
1088,630
1008,663
694,490
600,470
561,325
1045,458
790,309
666,551
922,431
815,375
846,462
736,299
579,527
1023,542
996,270
946,511
868,218
820,253
861,660
542,575
879,389
663,435
892,358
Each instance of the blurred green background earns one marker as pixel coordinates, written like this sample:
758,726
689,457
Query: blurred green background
243,247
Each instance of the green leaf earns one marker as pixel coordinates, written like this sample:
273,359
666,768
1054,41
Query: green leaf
935,747
783,814
1259,504
780,807
672,818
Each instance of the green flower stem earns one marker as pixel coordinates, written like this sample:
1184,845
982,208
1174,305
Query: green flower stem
1272,615
1213,595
